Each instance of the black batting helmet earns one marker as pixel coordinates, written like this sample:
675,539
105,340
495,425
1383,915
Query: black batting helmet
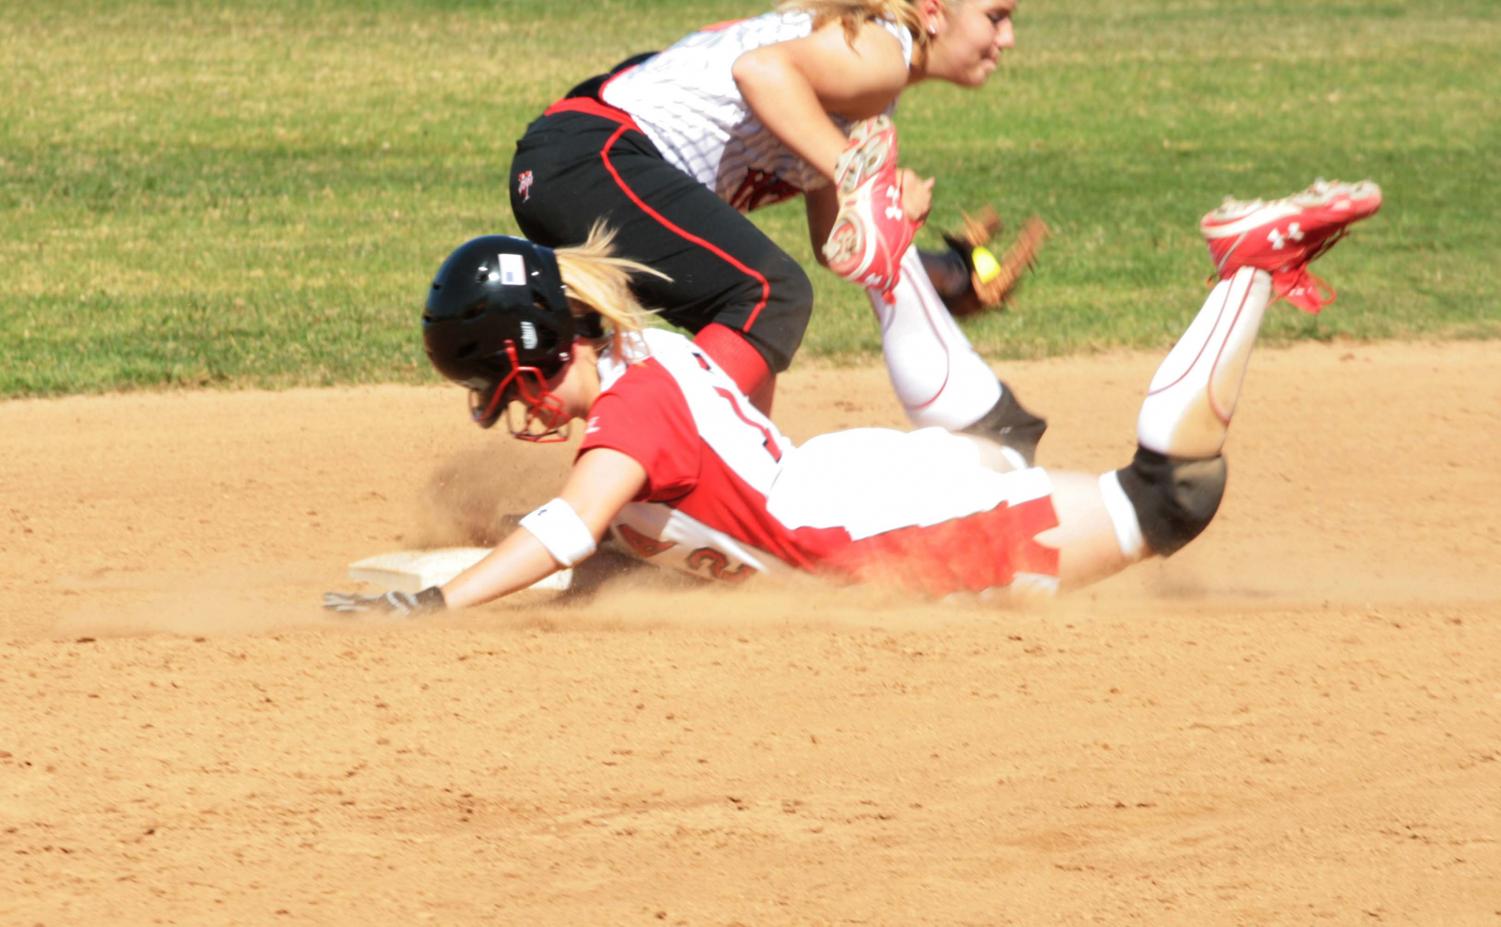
496,318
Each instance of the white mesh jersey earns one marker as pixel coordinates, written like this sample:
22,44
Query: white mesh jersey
686,101
729,496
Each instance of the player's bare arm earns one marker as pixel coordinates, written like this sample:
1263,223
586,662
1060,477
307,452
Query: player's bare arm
793,86
599,486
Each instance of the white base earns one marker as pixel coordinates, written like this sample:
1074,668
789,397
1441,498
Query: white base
415,570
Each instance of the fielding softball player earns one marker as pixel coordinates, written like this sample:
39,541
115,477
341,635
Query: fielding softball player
670,149
678,465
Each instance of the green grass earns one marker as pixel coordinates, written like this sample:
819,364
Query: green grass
256,194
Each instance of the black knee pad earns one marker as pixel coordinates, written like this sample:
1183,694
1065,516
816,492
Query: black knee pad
1010,424
1174,499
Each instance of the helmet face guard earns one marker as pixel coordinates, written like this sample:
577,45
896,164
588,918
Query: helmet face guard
542,418
498,322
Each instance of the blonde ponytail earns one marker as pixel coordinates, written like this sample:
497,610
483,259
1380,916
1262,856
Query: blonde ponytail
600,281
853,14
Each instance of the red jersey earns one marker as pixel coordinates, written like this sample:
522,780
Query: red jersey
728,496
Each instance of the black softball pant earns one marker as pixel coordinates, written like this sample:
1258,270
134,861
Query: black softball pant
584,162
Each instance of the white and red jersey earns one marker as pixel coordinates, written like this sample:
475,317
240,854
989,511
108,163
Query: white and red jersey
686,101
728,496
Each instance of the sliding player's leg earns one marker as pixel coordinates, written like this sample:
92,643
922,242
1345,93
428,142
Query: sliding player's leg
1172,488
938,377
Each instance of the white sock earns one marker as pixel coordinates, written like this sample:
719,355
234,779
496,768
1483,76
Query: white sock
1193,394
936,373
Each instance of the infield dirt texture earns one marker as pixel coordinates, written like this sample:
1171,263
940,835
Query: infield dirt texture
1295,721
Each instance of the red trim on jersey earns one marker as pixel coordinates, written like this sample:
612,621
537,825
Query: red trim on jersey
767,441
604,155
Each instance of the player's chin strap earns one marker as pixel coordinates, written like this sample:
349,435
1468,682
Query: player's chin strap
543,422
543,419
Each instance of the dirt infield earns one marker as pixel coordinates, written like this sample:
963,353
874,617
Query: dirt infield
1297,720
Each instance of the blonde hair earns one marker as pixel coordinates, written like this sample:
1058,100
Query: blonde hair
853,14
600,281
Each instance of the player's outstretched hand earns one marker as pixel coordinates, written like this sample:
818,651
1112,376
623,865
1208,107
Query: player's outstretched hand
399,604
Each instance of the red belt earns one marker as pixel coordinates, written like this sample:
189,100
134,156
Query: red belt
594,108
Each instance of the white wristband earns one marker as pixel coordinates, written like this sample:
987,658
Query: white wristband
561,531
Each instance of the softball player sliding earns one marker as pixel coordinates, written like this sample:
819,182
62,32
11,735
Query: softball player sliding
670,149
684,471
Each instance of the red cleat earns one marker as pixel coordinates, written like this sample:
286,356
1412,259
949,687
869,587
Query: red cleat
1283,236
871,232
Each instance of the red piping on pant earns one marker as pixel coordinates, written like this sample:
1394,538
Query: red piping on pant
594,108
730,259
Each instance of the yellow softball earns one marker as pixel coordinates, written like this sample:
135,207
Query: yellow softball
987,268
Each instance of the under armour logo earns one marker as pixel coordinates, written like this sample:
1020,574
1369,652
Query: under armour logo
894,209
1279,241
